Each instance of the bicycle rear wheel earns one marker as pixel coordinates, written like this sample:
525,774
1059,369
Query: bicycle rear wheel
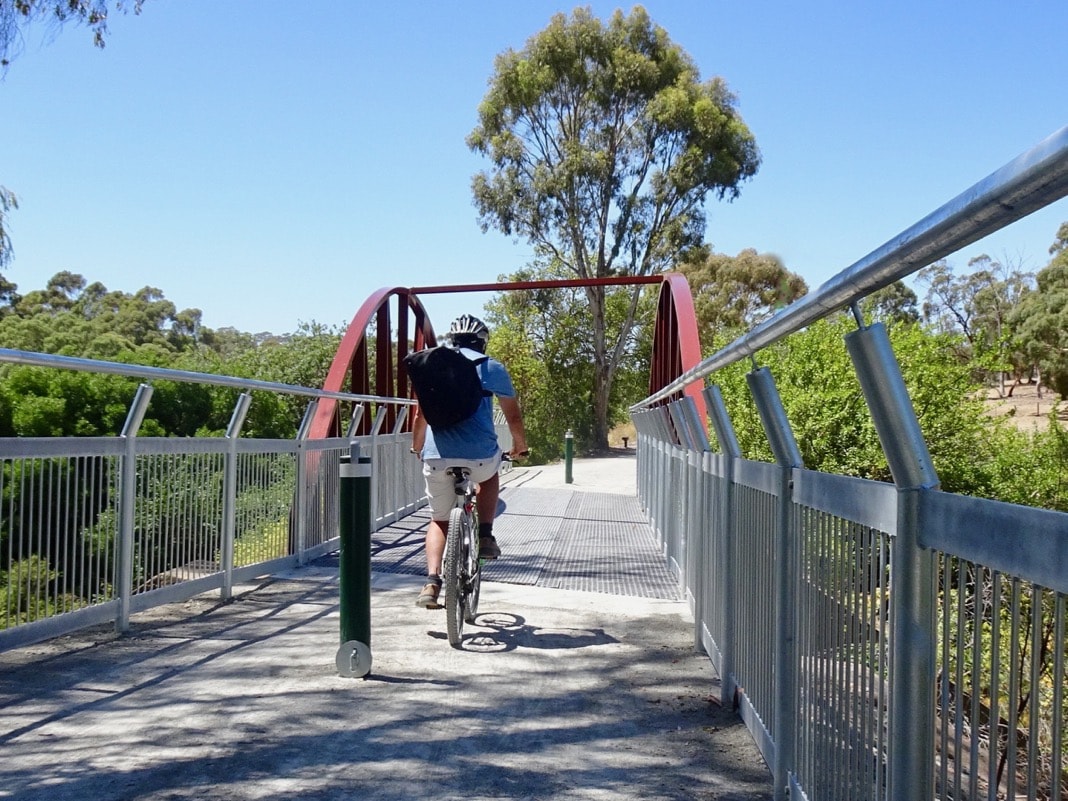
474,570
455,569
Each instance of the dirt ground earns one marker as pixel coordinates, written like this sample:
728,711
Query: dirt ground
1026,409
623,436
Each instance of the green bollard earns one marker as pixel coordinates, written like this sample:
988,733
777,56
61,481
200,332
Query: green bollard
569,451
354,572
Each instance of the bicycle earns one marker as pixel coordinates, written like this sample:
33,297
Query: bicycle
462,567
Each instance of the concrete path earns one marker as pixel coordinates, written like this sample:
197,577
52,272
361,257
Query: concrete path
556,694
615,473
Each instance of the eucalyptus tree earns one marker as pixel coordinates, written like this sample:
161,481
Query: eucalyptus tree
542,336
894,303
8,202
17,15
1042,317
604,144
979,305
733,293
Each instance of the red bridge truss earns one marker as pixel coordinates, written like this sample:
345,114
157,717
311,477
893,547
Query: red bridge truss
399,313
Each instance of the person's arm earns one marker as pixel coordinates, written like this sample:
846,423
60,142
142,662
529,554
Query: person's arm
418,430
513,415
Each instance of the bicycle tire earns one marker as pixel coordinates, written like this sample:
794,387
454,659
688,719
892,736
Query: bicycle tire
454,568
474,582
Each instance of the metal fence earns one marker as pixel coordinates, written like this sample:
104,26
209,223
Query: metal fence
882,641
94,529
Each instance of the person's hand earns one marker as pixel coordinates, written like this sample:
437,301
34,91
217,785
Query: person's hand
513,455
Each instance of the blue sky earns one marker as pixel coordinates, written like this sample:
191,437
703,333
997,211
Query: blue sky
273,163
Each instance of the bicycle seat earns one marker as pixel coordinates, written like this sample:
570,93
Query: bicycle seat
461,476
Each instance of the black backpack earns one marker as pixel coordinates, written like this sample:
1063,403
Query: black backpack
446,383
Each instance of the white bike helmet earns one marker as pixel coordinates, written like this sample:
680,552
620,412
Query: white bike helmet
467,331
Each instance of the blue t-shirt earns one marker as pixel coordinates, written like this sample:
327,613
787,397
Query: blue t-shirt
475,437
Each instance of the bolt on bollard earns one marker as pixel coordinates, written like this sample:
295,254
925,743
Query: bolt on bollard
569,452
354,573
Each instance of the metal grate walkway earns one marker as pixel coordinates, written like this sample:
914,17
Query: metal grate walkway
561,539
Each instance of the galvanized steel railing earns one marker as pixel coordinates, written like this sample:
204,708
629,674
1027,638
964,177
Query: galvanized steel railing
882,641
98,528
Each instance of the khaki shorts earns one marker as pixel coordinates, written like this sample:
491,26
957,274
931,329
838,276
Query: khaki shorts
440,486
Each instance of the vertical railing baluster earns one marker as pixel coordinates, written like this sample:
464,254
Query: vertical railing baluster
229,519
788,457
127,504
913,573
301,502
724,580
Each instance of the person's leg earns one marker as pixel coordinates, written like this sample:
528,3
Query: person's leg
435,551
488,493
439,490
435,546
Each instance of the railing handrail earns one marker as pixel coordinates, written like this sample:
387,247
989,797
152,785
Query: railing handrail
1026,184
162,373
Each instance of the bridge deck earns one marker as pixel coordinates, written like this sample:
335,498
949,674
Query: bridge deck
556,694
555,538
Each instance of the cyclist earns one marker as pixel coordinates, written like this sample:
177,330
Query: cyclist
471,443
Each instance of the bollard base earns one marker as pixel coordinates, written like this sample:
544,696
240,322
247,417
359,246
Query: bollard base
353,660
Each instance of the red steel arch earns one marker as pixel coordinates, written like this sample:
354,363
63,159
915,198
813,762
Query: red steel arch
676,345
351,370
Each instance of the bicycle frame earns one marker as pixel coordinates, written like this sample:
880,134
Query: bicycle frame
462,567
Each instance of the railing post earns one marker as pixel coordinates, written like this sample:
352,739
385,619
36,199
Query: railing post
693,536
354,423
784,447
128,504
229,532
376,463
569,453
399,497
680,492
302,502
643,446
910,757
354,573
662,499
724,577
681,424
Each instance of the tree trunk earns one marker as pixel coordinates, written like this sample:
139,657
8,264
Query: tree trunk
602,369
601,390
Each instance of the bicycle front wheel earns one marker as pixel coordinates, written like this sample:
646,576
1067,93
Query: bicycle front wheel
455,569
